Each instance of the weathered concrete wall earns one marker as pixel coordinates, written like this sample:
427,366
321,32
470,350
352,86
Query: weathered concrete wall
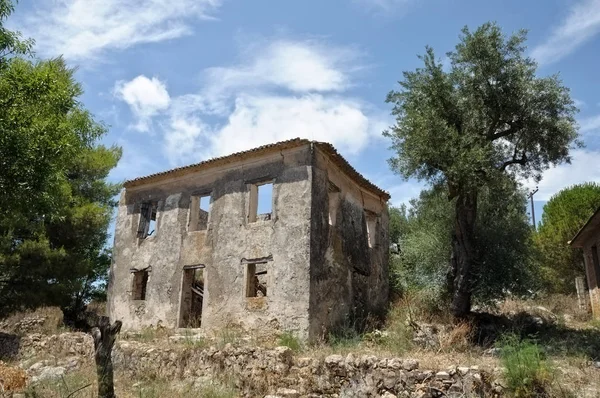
318,276
349,279
161,252
593,280
221,248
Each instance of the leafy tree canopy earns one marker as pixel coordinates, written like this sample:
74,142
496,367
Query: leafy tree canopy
564,214
55,202
487,117
504,240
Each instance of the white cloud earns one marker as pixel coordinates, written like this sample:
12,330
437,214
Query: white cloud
259,120
295,66
280,90
589,124
581,24
85,29
183,141
583,168
146,98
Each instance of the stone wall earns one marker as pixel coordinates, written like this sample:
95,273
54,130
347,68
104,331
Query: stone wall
260,372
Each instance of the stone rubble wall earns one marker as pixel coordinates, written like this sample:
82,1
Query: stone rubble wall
259,372
278,372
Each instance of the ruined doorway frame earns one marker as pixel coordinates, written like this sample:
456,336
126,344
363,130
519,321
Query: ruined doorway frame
188,294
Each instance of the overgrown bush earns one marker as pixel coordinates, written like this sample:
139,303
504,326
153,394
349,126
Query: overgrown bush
527,373
290,340
503,244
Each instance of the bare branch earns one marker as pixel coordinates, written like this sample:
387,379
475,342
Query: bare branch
522,161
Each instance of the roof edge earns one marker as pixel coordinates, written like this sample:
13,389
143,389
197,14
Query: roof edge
574,241
326,147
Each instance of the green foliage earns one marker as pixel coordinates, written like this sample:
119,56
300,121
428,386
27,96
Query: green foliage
397,222
564,214
487,113
424,244
290,340
503,239
11,43
55,202
504,242
344,336
527,373
485,119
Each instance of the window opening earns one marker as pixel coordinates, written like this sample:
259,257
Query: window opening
256,280
334,201
371,229
140,283
596,262
147,226
260,202
193,296
199,212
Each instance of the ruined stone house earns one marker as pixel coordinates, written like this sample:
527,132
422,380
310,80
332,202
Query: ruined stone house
588,239
286,236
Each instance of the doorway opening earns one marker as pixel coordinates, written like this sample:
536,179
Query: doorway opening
192,296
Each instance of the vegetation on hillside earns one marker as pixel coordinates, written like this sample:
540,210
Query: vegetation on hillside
55,202
564,215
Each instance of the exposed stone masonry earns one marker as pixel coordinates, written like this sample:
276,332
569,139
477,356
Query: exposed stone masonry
259,372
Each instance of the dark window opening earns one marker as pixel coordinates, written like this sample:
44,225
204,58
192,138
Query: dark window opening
260,205
147,226
596,264
192,296
199,212
140,283
256,280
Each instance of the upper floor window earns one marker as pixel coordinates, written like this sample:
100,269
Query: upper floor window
371,228
199,212
334,201
260,204
147,225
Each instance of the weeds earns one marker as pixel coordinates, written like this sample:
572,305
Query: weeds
344,337
289,339
527,373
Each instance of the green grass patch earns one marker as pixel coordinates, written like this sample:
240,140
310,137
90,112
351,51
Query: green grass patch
527,373
290,340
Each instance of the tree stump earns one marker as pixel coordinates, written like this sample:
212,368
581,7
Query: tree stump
104,338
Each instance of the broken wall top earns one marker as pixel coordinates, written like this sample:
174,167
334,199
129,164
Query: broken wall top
241,157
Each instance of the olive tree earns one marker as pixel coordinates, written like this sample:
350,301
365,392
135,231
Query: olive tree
487,116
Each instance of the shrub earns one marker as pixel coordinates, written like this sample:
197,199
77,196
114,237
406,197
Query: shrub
345,336
289,339
527,373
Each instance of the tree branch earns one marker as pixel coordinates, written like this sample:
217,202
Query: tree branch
514,128
522,161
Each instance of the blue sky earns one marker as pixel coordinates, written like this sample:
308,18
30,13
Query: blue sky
180,81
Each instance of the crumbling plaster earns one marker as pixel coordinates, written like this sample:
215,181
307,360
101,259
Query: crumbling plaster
318,278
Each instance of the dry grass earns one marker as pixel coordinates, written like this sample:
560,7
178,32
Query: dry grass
564,307
11,378
52,324
82,384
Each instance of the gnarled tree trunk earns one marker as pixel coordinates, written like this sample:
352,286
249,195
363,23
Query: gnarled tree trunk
104,339
464,254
